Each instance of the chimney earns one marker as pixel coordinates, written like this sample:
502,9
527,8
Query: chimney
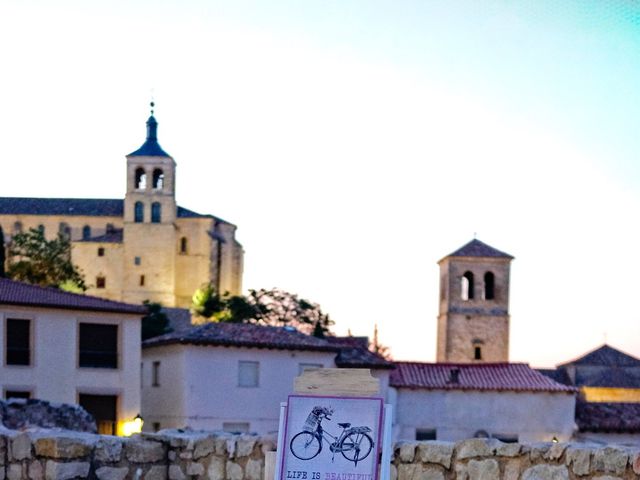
454,375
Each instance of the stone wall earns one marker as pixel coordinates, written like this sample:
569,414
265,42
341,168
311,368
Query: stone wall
19,414
174,455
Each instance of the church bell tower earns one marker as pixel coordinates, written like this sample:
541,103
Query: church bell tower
473,320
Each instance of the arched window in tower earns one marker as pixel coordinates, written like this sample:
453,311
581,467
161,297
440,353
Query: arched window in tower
466,285
17,227
86,232
158,179
64,230
489,286
183,245
138,212
141,179
156,212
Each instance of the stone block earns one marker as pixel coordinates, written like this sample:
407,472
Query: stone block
546,472
63,447
226,445
253,470
607,477
204,447
483,470
234,471
157,472
36,471
176,473
636,463
268,444
436,452
475,447
111,473
508,449
555,451
408,471
406,452
14,471
245,445
512,469
195,468
216,469
108,450
610,460
144,451
393,473
186,455
65,471
537,451
20,447
578,459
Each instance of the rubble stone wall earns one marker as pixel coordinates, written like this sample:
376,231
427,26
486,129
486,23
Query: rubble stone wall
62,455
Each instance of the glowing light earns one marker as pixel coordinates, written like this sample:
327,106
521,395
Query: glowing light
133,426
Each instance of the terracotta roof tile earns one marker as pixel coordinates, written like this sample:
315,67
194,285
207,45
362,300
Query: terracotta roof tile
481,376
18,293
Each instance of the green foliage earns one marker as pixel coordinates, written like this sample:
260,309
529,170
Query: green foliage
34,259
268,307
155,322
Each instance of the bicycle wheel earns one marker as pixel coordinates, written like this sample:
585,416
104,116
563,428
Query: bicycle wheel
305,445
356,447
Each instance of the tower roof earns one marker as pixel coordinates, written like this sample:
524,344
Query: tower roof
151,147
476,248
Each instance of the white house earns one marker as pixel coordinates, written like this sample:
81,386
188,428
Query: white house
69,348
232,377
508,401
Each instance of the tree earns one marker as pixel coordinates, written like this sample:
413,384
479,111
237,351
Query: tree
376,347
155,322
34,259
267,307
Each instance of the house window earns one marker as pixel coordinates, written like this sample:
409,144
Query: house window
101,251
236,427
137,260
425,434
98,345
17,394
156,212
142,280
183,245
104,410
138,212
302,367
158,179
467,286
141,179
101,282
86,232
477,353
155,426
155,374
248,374
18,336
489,286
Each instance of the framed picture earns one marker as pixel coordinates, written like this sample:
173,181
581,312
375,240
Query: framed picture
331,438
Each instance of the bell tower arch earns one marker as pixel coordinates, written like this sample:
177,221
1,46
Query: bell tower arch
473,320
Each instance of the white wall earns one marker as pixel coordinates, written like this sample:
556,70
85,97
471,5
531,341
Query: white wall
457,415
54,374
209,378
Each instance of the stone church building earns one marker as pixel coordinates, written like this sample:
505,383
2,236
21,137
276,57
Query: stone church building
144,247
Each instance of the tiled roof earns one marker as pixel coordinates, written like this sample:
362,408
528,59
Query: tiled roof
606,356
243,335
91,207
18,293
476,248
612,377
355,353
481,376
151,147
114,236
608,417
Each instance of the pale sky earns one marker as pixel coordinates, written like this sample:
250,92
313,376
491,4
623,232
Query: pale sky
355,143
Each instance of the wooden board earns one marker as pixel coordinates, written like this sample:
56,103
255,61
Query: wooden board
349,382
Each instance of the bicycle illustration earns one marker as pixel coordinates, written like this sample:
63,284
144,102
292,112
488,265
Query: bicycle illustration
354,443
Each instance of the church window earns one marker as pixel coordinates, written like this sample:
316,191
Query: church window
158,179
86,232
155,212
142,280
138,212
477,353
141,179
101,282
183,245
489,286
64,230
17,227
41,229
467,286
101,251
137,260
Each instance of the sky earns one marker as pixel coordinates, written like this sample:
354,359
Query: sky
356,142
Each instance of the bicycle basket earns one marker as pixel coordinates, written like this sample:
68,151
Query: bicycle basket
311,422
359,430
